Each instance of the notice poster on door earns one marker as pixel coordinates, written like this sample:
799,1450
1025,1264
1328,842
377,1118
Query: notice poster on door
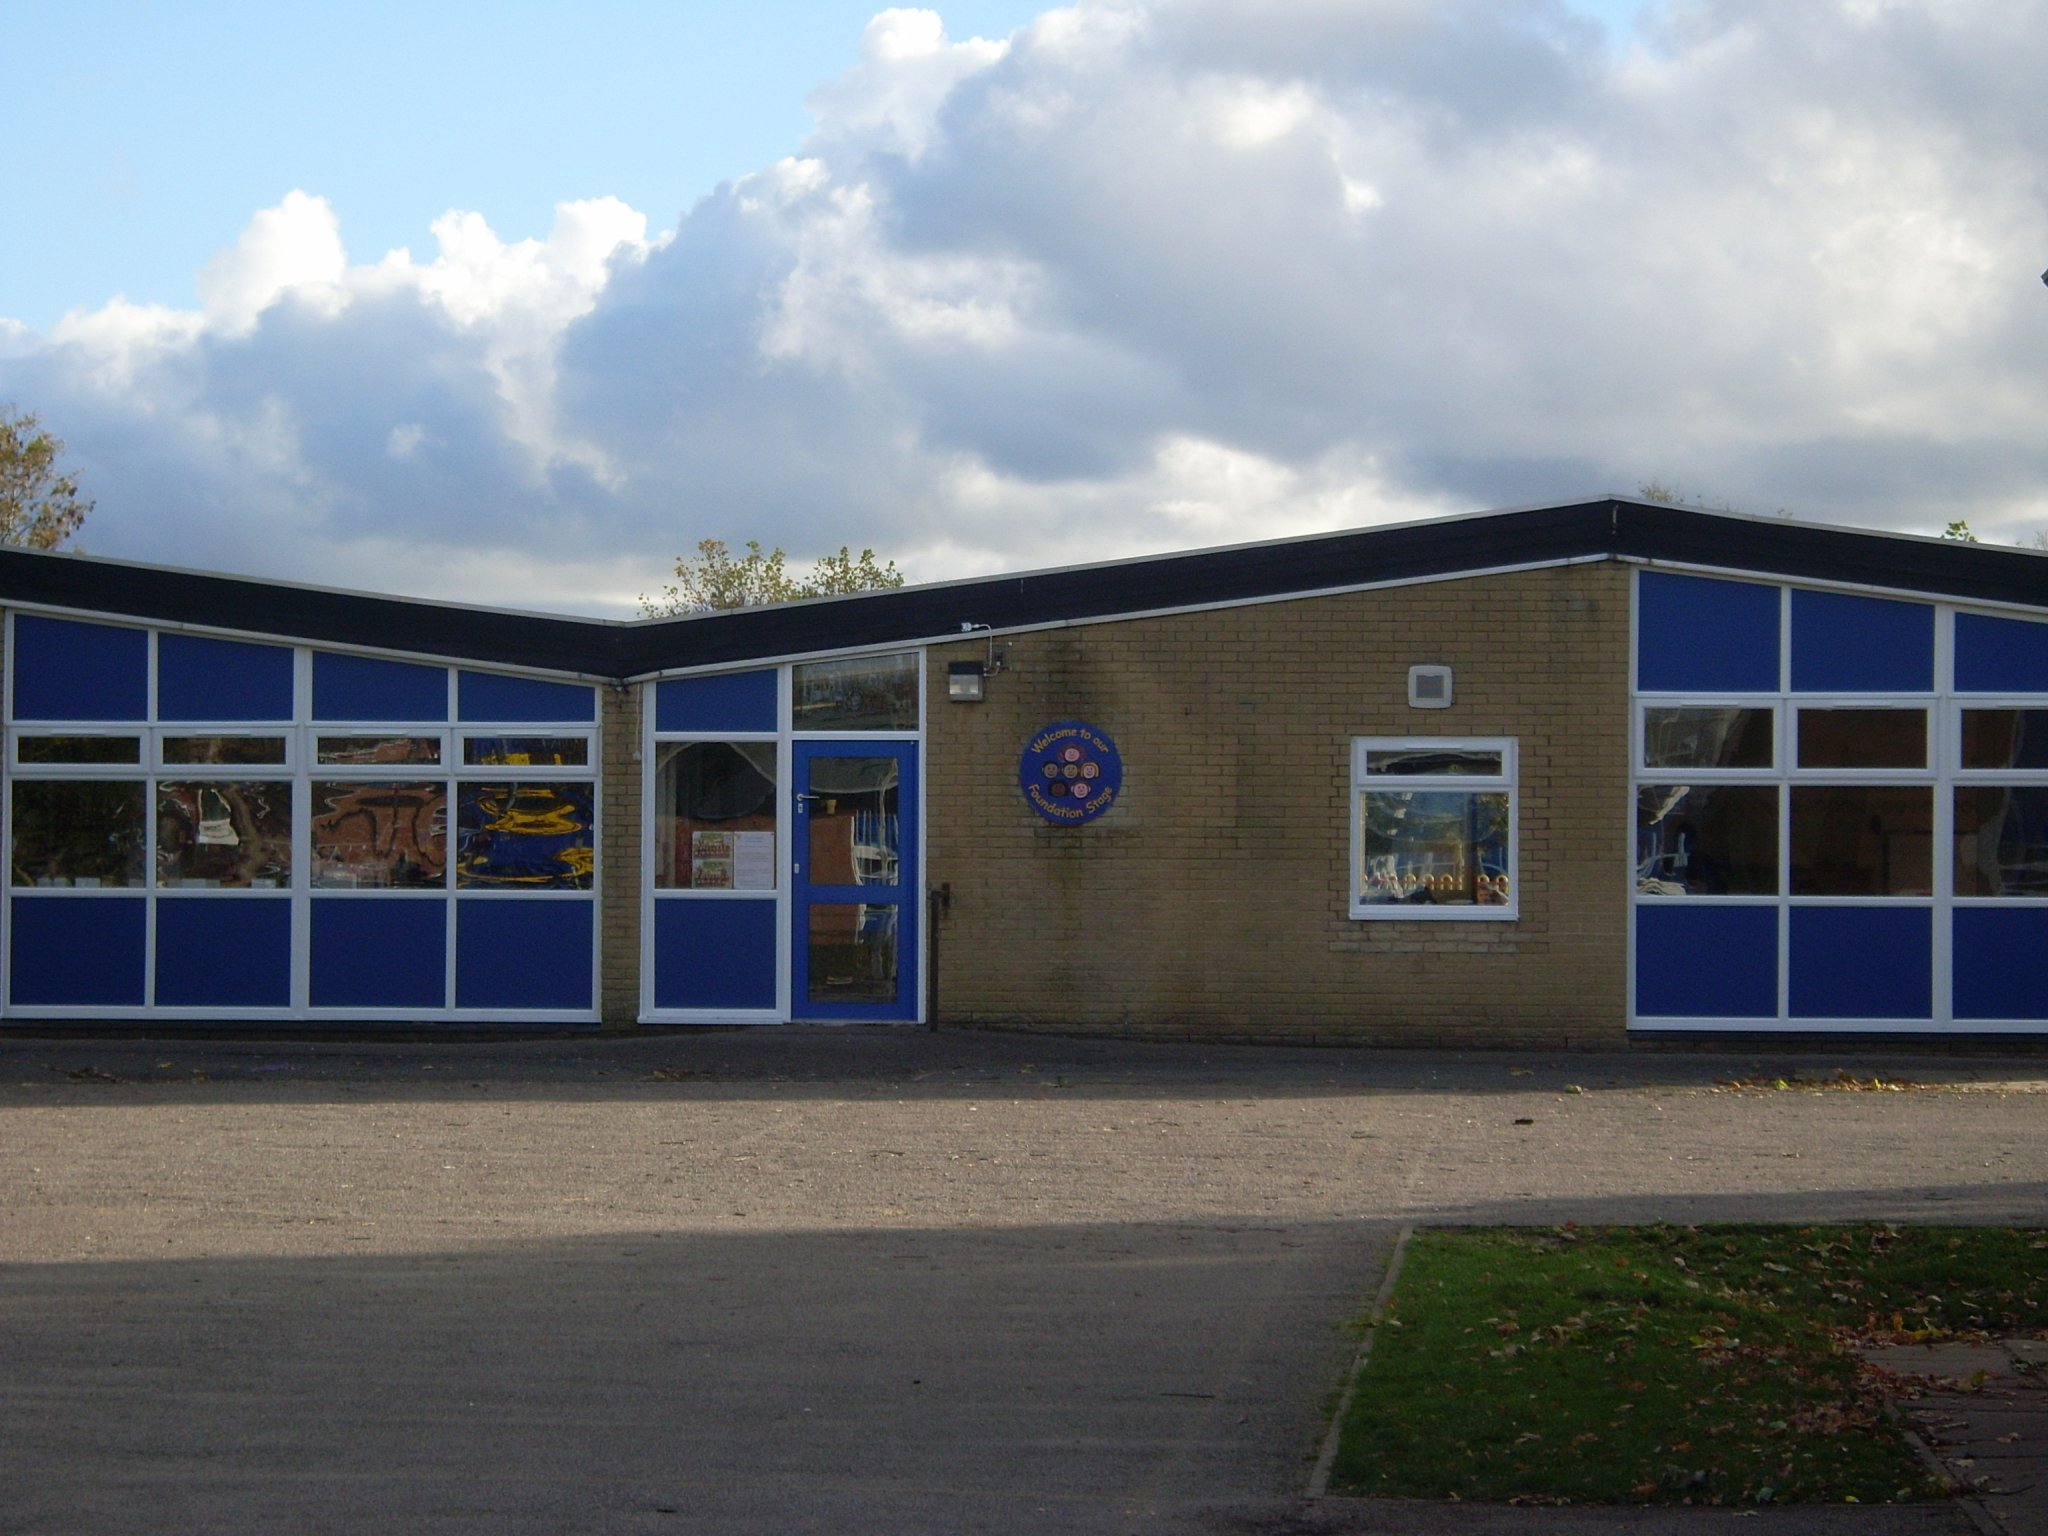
711,861
753,861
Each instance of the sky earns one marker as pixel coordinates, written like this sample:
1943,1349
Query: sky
463,301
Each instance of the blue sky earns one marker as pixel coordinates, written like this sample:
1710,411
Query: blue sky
470,301
145,134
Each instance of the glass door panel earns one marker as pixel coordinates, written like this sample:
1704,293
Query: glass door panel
854,940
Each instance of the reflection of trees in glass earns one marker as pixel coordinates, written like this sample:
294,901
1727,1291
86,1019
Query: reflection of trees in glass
1436,847
70,830
524,836
229,832
382,835
869,694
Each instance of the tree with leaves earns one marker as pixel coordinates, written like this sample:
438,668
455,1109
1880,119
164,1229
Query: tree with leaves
39,508
714,579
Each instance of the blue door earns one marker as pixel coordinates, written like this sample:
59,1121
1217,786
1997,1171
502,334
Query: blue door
854,917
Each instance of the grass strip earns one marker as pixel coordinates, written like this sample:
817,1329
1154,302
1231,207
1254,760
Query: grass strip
1687,1365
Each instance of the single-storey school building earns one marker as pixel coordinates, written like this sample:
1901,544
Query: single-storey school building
1564,775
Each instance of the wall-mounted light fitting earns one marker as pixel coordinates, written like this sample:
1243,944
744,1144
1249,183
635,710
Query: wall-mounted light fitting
967,681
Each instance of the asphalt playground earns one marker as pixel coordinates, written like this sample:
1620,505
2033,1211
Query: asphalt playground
857,1280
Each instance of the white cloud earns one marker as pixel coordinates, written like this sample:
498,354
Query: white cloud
1145,275
294,248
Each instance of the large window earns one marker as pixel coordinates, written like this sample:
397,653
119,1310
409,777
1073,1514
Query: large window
1433,828
212,826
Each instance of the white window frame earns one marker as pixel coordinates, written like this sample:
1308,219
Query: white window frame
1507,781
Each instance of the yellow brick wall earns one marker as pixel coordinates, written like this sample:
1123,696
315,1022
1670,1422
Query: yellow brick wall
1212,900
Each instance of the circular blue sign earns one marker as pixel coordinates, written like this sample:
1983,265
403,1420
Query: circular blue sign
1070,772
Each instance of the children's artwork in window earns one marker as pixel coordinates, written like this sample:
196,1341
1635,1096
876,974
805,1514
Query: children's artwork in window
224,832
532,836
526,751
380,836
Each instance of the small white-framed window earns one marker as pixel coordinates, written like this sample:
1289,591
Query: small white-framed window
1433,828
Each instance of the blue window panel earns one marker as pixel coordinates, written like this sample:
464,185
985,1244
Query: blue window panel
733,701
1698,962
64,670
2001,963
711,953
201,679
1698,635
2000,655
1842,643
76,951
1862,963
490,696
224,952
371,952
365,688
523,952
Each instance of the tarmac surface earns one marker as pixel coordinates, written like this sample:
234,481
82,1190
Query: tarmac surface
858,1280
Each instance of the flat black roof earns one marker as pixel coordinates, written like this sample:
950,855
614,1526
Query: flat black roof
1608,528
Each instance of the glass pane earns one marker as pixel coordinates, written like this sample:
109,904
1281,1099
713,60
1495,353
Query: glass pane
1434,760
532,836
1716,840
1706,736
526,751
852,953
1863,738
78,832
377,751
2003,738
224,832
854,826
2001,841
78,749
873,693
379,835
714,815
223,749
1434,848
1862,840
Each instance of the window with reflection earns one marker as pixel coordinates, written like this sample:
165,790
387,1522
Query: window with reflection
533,835
853,953
234,751
1707,736
852,815
871,693
2005,738
714,815
77,832
1862,738
77,749
526,751
379,835
1862,839
1707,840
2001,840
1433,828
224,832
376,751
